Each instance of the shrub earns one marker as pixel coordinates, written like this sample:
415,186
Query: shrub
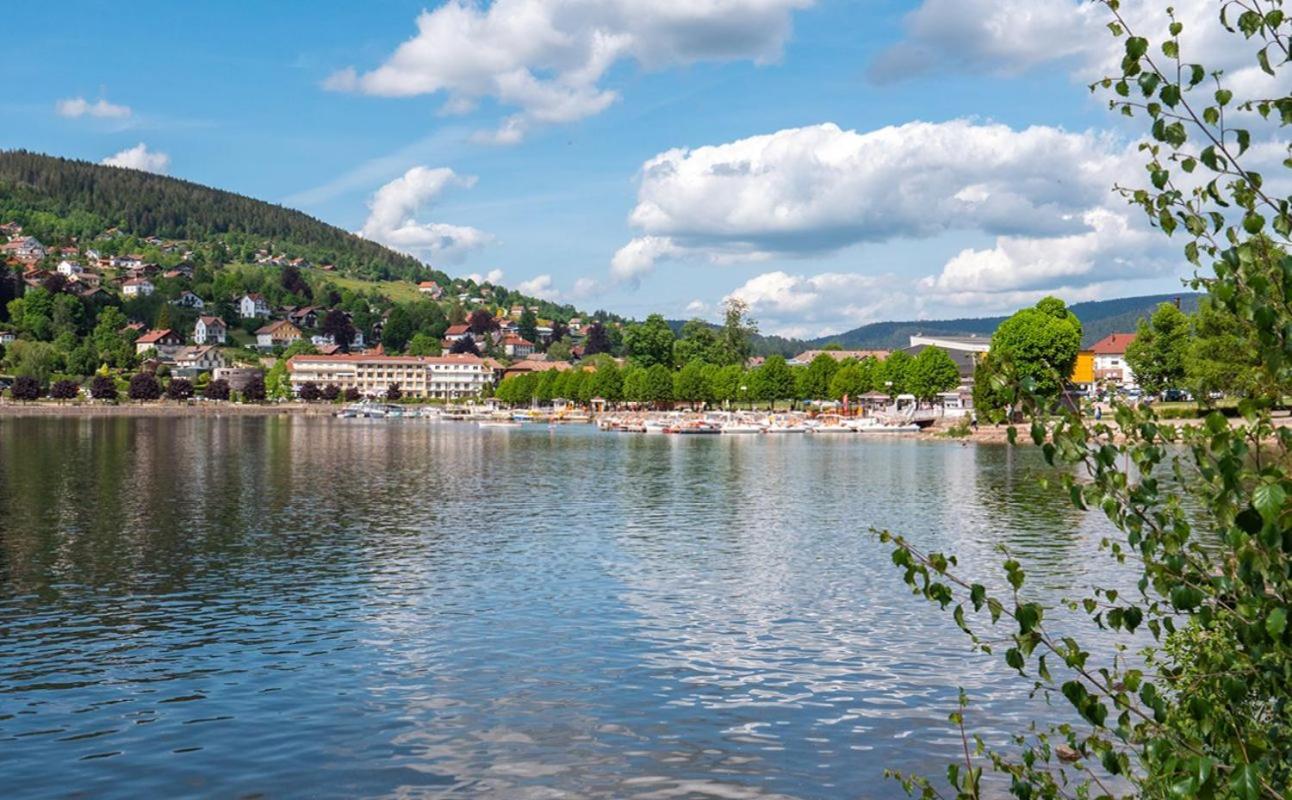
254,391
352,395
64,390
217,389
310,392
179,389
103,387
331,392
144,386
25,388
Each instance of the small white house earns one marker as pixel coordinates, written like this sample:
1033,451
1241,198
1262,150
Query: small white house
138,287
69,268
253,305
210,330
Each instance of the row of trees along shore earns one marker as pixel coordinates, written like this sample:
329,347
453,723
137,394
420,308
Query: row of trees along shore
697,381
1189,691
148,386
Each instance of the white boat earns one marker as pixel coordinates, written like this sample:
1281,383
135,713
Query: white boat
498,423
741,427
656,426
873,425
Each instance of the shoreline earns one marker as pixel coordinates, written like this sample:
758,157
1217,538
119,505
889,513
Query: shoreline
163,409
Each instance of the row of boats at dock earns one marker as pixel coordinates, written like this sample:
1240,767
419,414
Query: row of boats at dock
731,423
674,422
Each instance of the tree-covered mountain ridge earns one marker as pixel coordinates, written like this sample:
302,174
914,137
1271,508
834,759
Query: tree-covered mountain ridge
1098,319
56,199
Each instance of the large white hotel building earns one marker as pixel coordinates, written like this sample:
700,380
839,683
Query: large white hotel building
447,377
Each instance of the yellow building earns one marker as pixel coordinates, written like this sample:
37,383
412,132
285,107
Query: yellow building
1083,372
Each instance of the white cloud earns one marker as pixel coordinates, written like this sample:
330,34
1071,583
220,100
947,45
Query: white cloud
539,286
75,107
140,157
493,276
814,190
1009,37
547,58
816,305
697,307
392,219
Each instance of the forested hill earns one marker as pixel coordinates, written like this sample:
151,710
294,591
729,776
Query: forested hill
55,198
1098,319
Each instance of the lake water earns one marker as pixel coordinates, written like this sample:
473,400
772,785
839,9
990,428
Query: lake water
287,607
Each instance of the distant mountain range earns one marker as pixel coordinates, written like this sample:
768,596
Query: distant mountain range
1098,319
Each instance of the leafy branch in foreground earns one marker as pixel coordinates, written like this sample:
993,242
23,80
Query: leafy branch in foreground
1201,511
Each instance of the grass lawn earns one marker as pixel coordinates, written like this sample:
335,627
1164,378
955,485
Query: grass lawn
399,291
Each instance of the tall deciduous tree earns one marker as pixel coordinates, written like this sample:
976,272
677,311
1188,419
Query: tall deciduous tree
650,342
1039,345
526,326
931,372
337,325
596,341
1157,356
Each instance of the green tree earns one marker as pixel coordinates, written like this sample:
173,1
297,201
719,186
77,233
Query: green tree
1039,345
692,383
423,345
278,384
726,383
817,377
1222,356
851,380
1160,350
527,325
735,340
891,373
650,343
397,330
634,384
931,372
697,342
608,381
657,387
773,380
37,360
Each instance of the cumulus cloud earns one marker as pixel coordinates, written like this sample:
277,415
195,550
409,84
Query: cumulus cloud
493,276
547,58
814,190
392,218
75,107
1009,37
141,158
539,286
815,305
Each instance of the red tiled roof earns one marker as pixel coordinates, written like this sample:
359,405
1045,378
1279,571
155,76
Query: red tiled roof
462,358
1114,344
209,321
155,336
457,330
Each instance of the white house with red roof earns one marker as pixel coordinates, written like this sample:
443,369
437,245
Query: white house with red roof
138,287
514,346
210,330
1110,360
165,341
253,305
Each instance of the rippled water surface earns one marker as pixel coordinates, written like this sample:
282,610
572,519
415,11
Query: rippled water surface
313,607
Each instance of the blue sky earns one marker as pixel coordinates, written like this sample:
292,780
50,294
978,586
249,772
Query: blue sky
998,198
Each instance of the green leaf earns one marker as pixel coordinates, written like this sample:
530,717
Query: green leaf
1136,47
1276,622
1246,782
1268,499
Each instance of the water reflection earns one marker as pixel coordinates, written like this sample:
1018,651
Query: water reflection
347,608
